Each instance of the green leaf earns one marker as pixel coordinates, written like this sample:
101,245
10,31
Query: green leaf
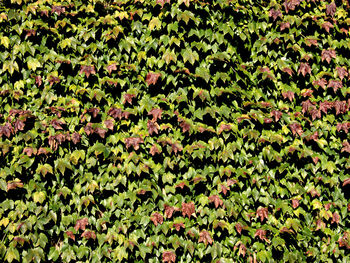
39,197
33,64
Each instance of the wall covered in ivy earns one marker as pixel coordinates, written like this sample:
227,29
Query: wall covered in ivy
174,131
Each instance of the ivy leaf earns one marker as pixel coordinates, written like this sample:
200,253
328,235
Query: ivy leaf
309,42
296,128
335,218
346,181
87,70
75,137
152,127
94,111
33,64
157,218
306,106
188,209
289,94
320,82
133,141
162,2
169,210
87,234
288,71
261,234
204,236
38,81
70,235
289,5
156,113
335,84
109,124
39,197
81,224
216,200
154,149
152,78
275,13
168,256
346,148
262,212
58,9
327,25
57,124
111,67
328,55
14,185
304,68
29,151
128,98
342,72
331,9
178,226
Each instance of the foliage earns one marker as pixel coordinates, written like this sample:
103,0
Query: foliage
174,131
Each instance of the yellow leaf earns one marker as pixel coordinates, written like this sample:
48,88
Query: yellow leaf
4,222
39,197
155,22
5,41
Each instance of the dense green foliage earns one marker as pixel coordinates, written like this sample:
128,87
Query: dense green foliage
174,131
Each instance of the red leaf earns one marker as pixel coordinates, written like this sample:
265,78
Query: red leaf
157,218
295,203
58,9
42,151
88,234
327,25
128,98
178,226
38,81
14,185
342,72
185,126
331,9
57,124
29,151
262,212
216,199
70,235
87,70
162,2
321,83
290,4
320,225
231,182
204,236
304,68
169,210
94,111
224,127
19,125
188,209
115,113
154,150
286,230
276,114
313,192
88,128
311,42
335,218
223,189
168,256
328,55
346,182
175,147
340,107
315,160
100,131
81,224
111,67
261,234
275,13
75,137
283,26
306,106
335,84
109,124
181,185
296,128
289,94
239,227
307,93
288,71
152,127
134,141
152,78
156,113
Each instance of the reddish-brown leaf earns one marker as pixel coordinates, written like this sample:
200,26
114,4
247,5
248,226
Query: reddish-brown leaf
42,151
188,209
204,236
88,128
109,124
348,207
175,147
53,79
315,159
276,114
38,81
320,224
223,189
327,25
181,185
94,111
304,68
346,181
262,212
288,94
115,113
295,203
157,218
285,25
88,234
100,131
14,185
81,224
152,127
320,83
307,93
58,9
313,192
335,84
342,72
286,230
154,149
156,113
133,141
152,78
169,210
335,218
87,70
331,9
328,55
340,107
307,105
75,137
178,226
239,227
296,128
70,235
275,13
168,256
57,124
185,126
288,71
311,42
216,200
261,234
111,67
29,151
162,2
128,98
289,5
